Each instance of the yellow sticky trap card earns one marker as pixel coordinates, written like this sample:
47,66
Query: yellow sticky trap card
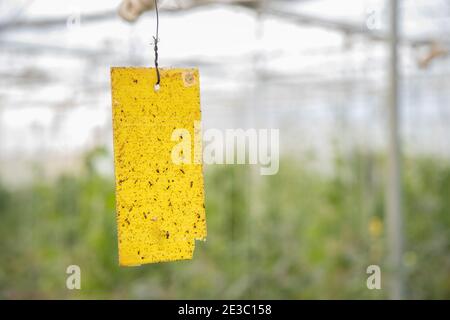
157,156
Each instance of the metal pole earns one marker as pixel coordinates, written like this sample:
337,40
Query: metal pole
394,183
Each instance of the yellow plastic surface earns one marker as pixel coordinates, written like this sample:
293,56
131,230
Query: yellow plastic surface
160,204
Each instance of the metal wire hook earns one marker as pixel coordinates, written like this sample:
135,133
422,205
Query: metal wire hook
155,47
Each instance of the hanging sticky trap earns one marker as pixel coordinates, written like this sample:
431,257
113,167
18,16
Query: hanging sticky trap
159,198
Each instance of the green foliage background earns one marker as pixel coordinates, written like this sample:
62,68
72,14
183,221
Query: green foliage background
296,235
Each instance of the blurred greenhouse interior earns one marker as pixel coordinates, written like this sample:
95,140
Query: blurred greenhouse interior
364,173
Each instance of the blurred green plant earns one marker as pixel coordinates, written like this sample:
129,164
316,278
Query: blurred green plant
299,234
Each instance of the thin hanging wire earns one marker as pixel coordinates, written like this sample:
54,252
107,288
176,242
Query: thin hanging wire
155,44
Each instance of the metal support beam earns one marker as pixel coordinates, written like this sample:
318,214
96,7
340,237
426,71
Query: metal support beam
394,179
